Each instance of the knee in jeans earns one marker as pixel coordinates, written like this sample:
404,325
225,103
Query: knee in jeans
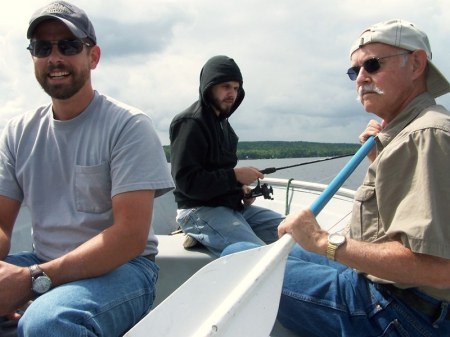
43,319
35,323
238,247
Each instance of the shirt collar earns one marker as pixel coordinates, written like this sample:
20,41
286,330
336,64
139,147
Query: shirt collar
405,117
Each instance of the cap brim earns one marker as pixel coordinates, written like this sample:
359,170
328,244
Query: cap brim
437,84
75,31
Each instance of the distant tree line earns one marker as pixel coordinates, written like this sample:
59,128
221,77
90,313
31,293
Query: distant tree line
282,149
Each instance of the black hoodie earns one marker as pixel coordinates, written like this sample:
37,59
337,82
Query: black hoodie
203,145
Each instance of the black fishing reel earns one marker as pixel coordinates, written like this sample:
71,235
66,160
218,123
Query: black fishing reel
261,190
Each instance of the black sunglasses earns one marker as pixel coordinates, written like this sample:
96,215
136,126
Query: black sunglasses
43,48
371,65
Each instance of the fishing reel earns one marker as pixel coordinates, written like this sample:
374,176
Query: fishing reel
261,190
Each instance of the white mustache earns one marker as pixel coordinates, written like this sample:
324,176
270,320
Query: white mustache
368,88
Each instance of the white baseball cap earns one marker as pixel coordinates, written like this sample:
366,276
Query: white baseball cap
405,35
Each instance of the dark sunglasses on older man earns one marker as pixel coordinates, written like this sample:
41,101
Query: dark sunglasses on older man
371,65
43,48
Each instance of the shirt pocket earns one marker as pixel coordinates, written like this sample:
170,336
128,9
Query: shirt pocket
365,216
93,188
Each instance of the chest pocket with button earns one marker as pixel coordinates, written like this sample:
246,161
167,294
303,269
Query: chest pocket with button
365,216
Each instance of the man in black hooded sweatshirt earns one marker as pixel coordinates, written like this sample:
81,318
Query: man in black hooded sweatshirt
210,190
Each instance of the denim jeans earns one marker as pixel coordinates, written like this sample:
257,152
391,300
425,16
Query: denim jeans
218,227
107,305
323,298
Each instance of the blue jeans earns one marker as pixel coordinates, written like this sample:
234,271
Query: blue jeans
325,298
218,227
107,305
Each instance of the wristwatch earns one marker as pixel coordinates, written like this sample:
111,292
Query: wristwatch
334,241
40,282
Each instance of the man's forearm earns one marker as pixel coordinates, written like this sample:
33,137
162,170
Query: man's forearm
5,245
114,246
393,261
100,255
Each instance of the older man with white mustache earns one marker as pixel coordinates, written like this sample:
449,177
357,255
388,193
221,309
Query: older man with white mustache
390,276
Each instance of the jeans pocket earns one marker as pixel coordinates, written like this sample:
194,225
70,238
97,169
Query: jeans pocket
395,329
394,320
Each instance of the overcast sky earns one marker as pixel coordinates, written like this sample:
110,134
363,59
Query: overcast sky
293,55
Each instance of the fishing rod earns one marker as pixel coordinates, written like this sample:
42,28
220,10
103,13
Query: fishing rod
274,169
266,191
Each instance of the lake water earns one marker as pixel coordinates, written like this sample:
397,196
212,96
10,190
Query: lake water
322,172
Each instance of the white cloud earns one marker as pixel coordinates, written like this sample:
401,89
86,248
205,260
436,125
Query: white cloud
293,56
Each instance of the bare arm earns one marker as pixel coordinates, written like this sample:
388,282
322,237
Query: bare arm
124,240
390,260
9,209
10,300
121,242
393,261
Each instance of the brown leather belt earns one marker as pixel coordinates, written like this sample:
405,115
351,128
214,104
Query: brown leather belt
413,300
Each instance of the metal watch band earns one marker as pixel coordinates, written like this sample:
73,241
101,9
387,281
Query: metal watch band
331,251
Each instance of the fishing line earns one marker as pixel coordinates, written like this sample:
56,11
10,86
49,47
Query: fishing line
274,169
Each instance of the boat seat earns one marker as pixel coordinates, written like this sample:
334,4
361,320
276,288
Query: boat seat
177,264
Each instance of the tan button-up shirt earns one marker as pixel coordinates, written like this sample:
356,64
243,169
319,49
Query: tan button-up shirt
406,191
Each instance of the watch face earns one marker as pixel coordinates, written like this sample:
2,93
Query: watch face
41,284
336,239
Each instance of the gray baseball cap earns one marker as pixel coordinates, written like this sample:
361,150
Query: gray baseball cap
73,17
405,35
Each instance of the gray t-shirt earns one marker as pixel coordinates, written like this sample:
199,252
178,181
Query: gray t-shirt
66,172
